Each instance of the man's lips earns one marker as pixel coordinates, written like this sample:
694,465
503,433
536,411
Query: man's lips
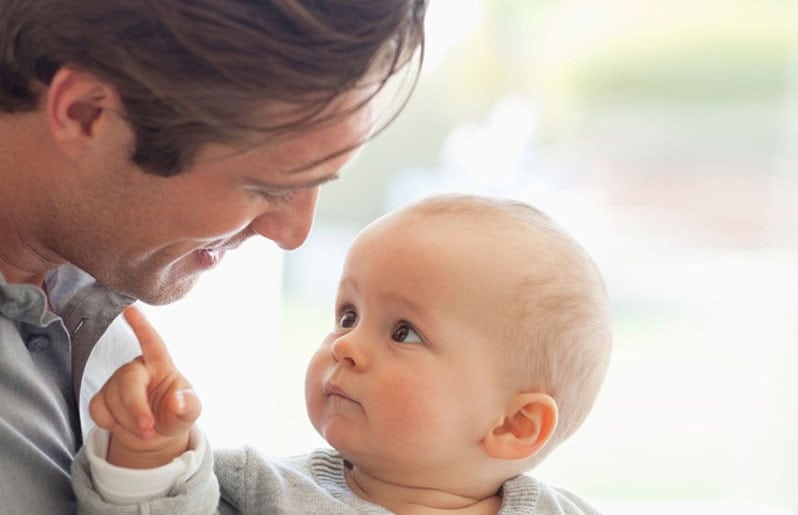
220,246
211,256
207,258
221,249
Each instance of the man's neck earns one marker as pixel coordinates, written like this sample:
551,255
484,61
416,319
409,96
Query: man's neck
24,257
15,275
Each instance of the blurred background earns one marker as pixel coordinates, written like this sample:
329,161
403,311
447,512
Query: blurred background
664,136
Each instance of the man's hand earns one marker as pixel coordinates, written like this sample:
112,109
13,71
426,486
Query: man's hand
147,405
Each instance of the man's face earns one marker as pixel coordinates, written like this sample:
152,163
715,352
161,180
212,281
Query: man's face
150,236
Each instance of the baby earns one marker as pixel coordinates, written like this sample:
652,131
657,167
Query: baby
471,338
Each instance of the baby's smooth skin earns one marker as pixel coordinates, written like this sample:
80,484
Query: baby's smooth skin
411,385
147,405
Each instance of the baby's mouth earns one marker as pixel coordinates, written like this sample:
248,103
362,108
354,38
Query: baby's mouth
334,390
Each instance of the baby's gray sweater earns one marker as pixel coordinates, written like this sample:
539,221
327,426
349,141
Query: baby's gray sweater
250,483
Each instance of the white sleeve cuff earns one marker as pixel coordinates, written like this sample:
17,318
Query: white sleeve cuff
120,485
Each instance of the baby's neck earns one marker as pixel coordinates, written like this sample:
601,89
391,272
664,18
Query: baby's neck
409,500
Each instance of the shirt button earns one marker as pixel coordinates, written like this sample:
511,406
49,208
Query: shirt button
39,343
11,310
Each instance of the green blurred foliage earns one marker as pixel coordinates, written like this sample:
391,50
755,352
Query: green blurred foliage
575,58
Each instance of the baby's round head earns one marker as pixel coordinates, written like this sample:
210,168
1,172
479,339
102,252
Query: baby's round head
551,303
471,337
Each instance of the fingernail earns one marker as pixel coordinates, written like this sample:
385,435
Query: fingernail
181,401
145,423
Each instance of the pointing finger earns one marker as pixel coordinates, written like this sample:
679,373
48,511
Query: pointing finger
153,349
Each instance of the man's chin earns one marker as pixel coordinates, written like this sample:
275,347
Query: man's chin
161,294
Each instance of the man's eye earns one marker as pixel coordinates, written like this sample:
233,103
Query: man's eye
405,334
278,198
347,319
274,197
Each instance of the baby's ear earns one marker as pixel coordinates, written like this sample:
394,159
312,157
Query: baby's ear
528,425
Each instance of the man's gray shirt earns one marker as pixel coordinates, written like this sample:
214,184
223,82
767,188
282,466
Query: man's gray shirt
53,358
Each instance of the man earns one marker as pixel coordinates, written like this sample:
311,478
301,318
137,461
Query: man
140,141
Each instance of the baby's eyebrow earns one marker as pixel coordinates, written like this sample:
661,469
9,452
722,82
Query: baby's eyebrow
404,301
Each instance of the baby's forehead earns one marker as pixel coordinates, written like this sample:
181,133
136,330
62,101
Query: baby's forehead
511,234
469,242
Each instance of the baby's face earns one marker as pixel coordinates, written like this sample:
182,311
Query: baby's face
409,381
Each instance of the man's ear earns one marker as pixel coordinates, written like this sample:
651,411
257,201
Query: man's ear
79,106
527,426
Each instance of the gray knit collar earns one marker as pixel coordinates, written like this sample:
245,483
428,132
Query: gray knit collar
327,467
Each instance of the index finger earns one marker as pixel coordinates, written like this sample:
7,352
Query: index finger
153,349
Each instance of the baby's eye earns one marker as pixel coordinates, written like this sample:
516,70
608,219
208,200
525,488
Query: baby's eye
347,319
405,334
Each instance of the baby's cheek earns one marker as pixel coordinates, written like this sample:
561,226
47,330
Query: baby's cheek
412,409
314,394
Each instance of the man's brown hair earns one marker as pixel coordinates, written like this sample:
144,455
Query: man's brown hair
191,72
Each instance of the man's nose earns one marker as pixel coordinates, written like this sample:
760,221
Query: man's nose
288,225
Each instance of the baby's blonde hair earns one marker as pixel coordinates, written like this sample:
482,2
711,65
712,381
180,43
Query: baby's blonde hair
560,335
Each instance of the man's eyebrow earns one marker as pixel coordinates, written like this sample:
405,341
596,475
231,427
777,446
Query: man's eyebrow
258,183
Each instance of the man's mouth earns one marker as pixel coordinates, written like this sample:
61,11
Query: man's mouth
215,253
209,258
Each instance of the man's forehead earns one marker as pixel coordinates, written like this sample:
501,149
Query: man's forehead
327,146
